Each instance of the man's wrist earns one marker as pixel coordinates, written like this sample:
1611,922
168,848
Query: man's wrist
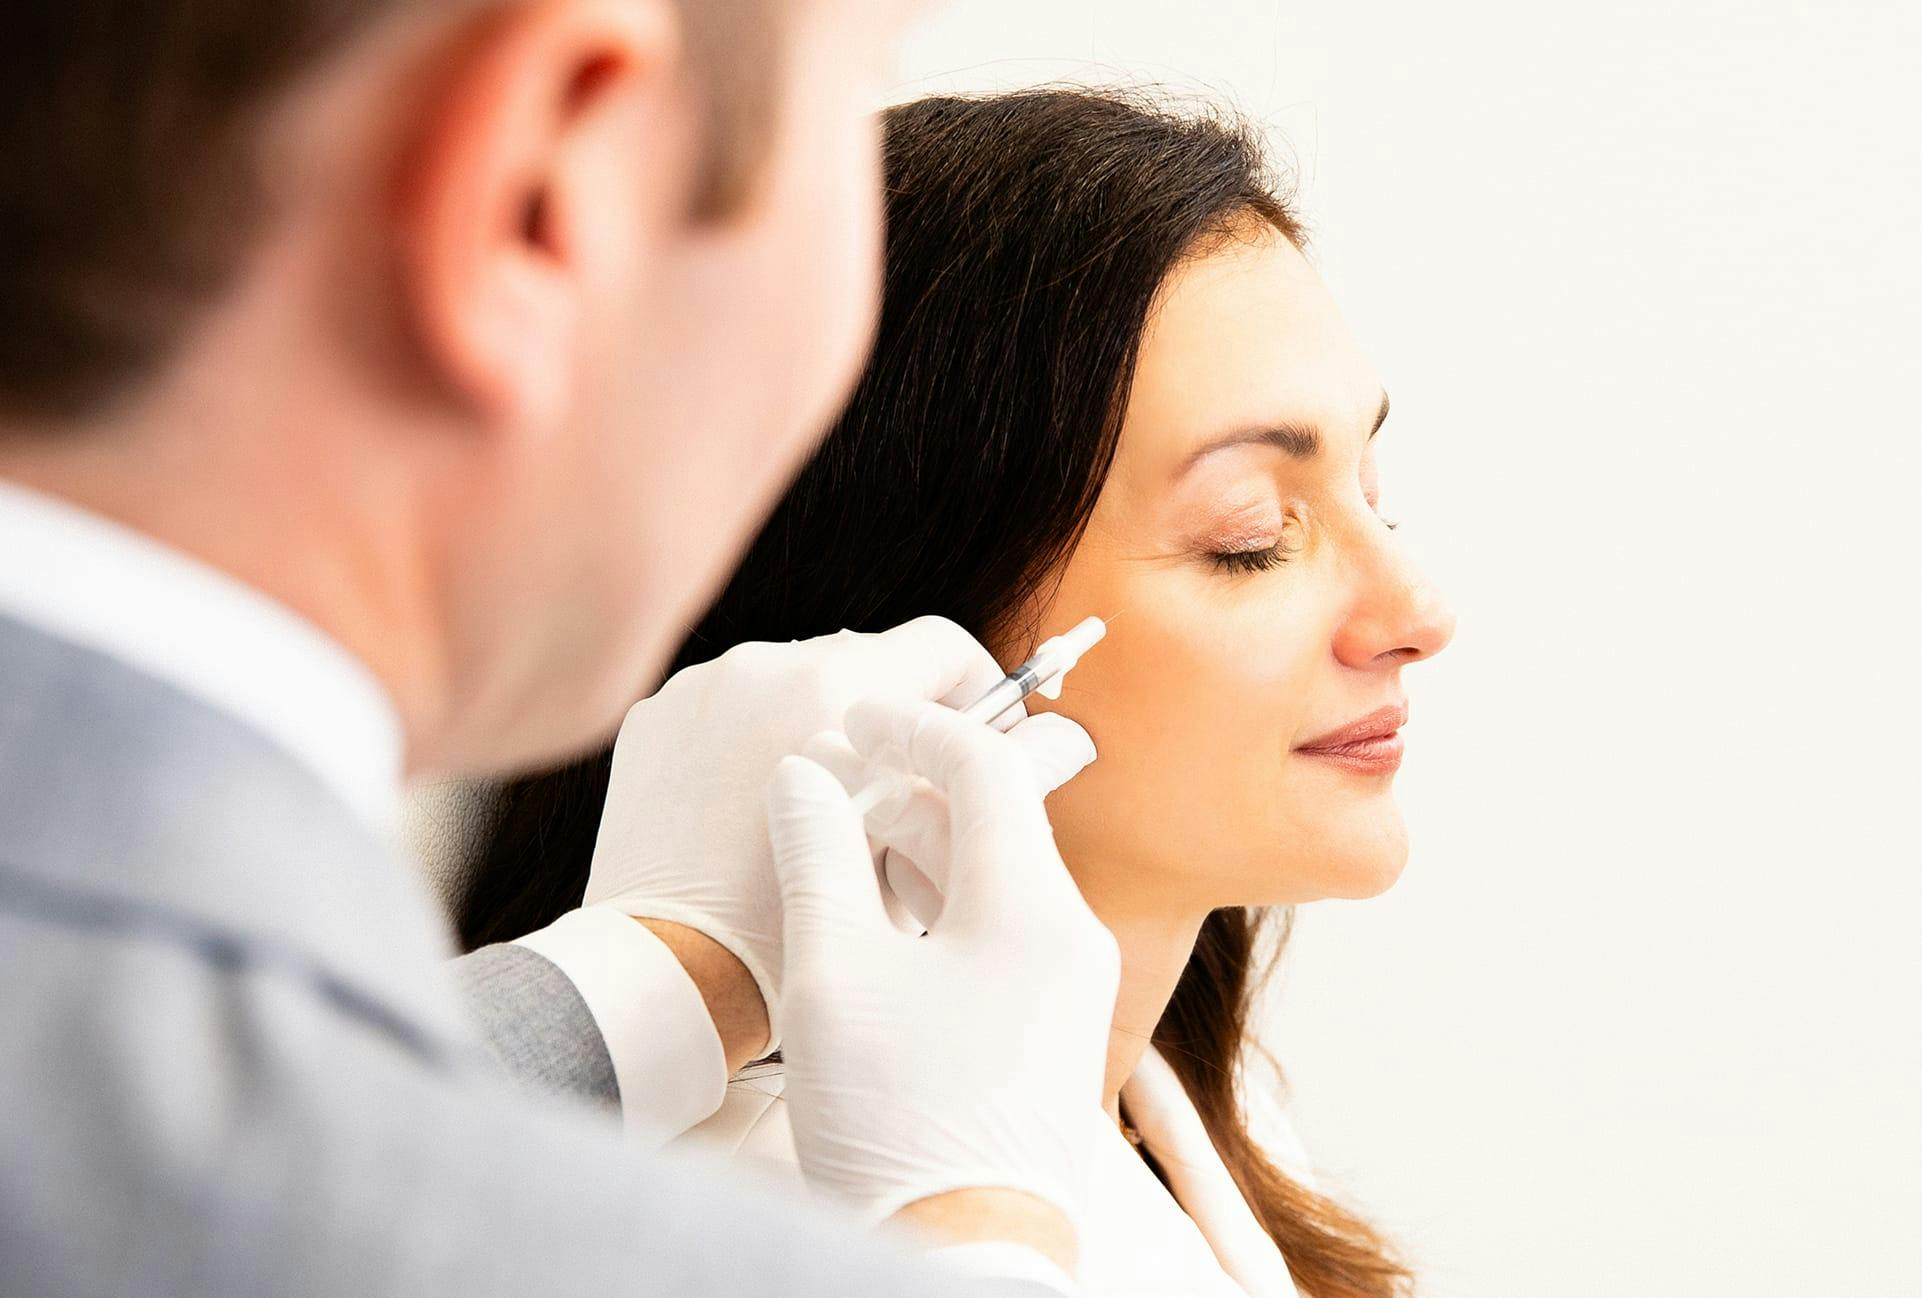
992,1215
732,998
669,1060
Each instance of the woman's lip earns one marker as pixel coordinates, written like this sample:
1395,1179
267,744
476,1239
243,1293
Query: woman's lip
1371,746
1377,756
1377,724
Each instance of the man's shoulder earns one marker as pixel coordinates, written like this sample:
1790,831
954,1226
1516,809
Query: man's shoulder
179,1125
138,815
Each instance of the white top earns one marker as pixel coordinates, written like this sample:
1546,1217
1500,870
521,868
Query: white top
1138,1239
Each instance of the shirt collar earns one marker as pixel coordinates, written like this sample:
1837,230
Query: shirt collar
93,582
1172,1130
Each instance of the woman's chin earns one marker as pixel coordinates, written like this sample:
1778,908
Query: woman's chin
1364,883
1362,859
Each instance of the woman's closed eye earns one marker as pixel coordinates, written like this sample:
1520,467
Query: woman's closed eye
1259,549
1246,561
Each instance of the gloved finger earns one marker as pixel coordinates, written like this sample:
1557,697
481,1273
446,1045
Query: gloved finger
919,832
912,829
830,750
1002,864
821,853
1058,749
1057,746
968,762
912,905
934,658
913,901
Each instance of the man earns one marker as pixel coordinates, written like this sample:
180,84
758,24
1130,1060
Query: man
383,383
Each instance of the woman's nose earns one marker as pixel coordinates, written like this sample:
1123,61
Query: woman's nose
1400,617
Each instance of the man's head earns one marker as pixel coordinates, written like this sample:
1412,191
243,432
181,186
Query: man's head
481,332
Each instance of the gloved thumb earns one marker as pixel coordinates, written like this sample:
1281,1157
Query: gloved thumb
911,829
916,840
821,853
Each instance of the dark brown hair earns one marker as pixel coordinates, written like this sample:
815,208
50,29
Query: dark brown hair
1028,238
131,129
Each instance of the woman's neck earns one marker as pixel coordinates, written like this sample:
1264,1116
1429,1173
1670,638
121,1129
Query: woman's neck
1155,948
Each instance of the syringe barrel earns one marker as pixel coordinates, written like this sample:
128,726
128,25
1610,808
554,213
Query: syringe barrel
1001,700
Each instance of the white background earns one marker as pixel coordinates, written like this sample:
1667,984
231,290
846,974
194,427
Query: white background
1643,279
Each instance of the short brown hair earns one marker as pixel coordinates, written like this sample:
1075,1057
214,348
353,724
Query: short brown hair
129,193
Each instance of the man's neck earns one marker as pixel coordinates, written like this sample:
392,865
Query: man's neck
253,522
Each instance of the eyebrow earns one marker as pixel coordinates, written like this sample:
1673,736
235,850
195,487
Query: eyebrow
1300,441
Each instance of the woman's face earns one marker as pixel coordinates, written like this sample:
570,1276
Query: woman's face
1262,609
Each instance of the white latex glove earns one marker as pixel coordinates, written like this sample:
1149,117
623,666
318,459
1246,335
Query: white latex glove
969,1058
910,834
684,839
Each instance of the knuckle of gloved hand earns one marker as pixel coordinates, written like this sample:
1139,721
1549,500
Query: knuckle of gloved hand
746,666
943,631
833,656
947,642
636,722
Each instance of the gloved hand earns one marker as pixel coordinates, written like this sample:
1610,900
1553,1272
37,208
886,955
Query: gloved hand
969,1058
683,837
909,832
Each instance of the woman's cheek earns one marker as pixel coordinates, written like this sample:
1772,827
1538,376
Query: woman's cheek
1264,647
1148,696
1193,702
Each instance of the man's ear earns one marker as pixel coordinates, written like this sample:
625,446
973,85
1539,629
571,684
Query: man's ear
527,191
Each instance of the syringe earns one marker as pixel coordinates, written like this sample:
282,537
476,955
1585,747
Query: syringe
1042,674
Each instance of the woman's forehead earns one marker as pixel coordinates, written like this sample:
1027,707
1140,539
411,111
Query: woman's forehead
1245,336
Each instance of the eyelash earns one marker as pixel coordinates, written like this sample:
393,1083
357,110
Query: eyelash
1242,562
1246,561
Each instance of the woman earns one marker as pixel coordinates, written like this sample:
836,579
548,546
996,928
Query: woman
1107,382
